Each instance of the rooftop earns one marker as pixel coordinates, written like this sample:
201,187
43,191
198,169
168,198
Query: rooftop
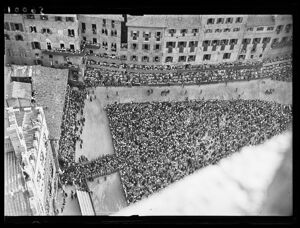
18,90
50,86
165,21
16,197
260,20
21,71
115,17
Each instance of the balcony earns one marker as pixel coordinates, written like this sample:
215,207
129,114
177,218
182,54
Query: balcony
90,45
124,46
63,52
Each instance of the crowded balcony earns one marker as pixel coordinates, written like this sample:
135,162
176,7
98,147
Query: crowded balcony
63,52
90,44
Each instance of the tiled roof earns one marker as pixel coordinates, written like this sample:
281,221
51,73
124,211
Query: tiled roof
18,90
260,20
50,87
166,21
16,197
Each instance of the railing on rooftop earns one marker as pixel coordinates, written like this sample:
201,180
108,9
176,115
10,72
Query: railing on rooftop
64,52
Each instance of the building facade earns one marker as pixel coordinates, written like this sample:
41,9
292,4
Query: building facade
101,34
27,137
64,40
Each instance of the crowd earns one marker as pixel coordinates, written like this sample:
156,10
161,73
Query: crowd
282,71
163,142
159,143
107,77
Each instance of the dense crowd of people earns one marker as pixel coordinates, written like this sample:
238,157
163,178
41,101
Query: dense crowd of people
163,142
112,74
158,143
108,77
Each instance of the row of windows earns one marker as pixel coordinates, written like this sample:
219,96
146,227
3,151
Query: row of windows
135,46
183,31
17,37
46,18
228,20
94,26
13,27
220,30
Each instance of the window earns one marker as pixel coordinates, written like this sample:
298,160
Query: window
146,47
134,46
32,29
236,29
113,47
260,29
279,29
210,21
172,31
266,40
94,40
206,43
134,35
256,41
49,46
208,31
6,26
62,46
6,37
83,27
226,55
246,41
182,59
70,19
250,29
195,31
270,28
113,32
113,24
158,34
239,20
30,16
170,44
260,55
227,30
46,30
35,45
191,58
206,57
242,57
18,27
157,47
156,59
145,59
220,20
58,18
50,56
84,38
44,17
169,59
183,32
229,20
288,28
104,22
251,56
71,32
134,58
218,30
19,37
94,28
123,57
146,35
72,46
